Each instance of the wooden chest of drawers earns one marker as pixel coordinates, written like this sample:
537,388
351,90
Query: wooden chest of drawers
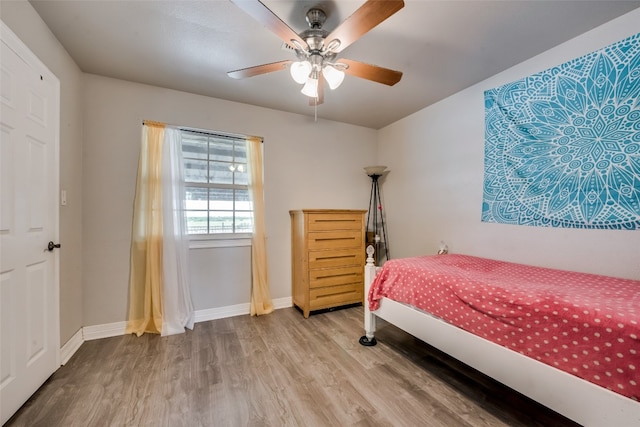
327,258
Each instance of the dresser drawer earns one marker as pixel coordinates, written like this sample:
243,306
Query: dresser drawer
336,276
336,258
335,295
335,239
334,221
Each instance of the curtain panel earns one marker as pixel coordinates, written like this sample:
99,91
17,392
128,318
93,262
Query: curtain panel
260,296
159,294
145,277
178,311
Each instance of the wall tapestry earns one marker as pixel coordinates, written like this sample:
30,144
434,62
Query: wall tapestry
562,147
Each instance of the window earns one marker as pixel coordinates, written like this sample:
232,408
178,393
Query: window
216,184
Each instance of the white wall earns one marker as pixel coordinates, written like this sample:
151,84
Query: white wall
434,189
29,27
307,165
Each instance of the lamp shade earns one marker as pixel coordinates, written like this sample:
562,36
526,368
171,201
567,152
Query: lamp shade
375,170
311,88
333,76
300,71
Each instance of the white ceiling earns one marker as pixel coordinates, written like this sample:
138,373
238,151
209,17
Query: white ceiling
441,47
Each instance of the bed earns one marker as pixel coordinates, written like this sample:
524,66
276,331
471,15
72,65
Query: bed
568,340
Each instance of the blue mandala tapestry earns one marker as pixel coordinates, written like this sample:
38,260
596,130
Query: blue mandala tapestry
562,147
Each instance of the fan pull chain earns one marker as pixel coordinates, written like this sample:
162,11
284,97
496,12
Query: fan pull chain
315,110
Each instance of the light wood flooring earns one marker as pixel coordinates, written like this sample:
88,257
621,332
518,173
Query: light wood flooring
275,370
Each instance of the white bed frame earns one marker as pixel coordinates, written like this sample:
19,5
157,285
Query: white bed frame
575,398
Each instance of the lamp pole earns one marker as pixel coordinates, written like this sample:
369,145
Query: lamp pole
375,204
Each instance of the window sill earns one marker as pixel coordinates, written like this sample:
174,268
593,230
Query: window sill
218,242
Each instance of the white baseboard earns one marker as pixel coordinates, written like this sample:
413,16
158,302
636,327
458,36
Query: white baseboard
221,312
70,347
282,303
115,329
106,330
235,310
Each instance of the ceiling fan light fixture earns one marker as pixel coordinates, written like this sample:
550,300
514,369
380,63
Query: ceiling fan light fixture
332,45
316,48
300,71
311,88
333,76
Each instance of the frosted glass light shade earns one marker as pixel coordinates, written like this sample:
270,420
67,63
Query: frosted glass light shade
375,170
300,71
333,76
311,88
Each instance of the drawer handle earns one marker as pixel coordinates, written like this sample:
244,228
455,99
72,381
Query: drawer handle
337,275
335,257
334,294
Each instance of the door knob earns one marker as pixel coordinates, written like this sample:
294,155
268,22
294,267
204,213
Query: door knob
51,246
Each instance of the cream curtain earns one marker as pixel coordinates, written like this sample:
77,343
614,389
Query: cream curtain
145,276
160,298
260,296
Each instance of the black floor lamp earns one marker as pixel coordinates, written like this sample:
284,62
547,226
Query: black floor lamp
376,229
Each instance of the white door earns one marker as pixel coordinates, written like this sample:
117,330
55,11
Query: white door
29,295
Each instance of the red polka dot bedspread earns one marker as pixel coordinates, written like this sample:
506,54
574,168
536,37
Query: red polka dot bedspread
584,324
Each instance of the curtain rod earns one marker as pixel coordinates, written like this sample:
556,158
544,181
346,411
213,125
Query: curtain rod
204,131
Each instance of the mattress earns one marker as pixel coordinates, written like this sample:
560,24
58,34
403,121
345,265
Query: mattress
584,324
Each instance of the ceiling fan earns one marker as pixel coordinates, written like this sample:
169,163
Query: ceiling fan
316,48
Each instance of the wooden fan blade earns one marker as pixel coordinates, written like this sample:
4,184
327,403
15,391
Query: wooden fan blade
372,72
320,99
259,69
261,13
370,14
